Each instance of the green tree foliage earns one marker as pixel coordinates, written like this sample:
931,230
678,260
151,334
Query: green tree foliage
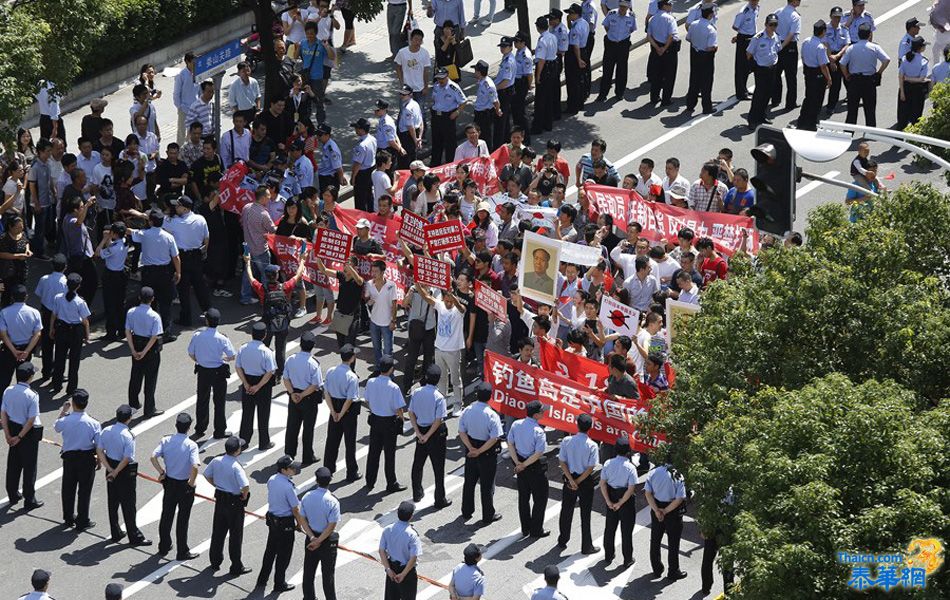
366,10
936,122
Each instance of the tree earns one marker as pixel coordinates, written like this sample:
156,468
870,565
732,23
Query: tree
936,123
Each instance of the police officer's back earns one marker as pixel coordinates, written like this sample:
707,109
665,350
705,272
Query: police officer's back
80,436
549,591
21,327
526,446
303,380
231,491
399,549
256,366
386,405
427,413
282,518
321,515
480,431
180,456
468,580
23,428
665,492
40,582
341,393
116,449
143,334
578,459
211,350
859,66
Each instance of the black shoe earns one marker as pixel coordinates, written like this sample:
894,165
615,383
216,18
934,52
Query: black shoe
601,98
56,389
705,592
791,106
267,447
354,477
32,504
163,551
666,102
85,526
222,436
241,571
675,575
541,534
169,338
284,587
215,567
309,461
494,517
767,121
742,97
469,516
117,538
392,489
591,550
187,556
136,405
443,504
562,545
628,563
141,543
657,574
417,498
709,111
14,498
608,558
154,413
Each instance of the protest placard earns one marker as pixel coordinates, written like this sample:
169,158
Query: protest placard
429,271
444,236
412,229
490,301
332,246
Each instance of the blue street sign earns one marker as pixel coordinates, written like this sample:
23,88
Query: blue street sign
218,59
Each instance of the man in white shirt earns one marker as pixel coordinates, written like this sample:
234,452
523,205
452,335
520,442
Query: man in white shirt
148,145
472,147
449,344
244,95
235,143
186,92
143,107
51,121
414,64
380,297
673,174
647,177
201,109
87,159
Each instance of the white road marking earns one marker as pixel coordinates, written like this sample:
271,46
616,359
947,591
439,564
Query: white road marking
814,184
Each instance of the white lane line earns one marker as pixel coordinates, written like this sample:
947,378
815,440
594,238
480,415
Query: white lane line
895,11
141,428
814,184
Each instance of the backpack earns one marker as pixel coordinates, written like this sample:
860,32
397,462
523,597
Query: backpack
277,310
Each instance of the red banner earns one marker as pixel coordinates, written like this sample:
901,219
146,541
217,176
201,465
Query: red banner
429,271
287,251
412,229
332,246
482,170
232,190
384,230
515,384
444,236
664,221
490,300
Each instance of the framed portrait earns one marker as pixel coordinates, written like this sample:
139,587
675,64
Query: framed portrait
538,269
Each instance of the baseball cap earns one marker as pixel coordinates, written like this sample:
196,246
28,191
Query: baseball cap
505,41
481,66
74,278
856,2
287,462
363,223
113,591
59,260
323,475
361,123
259,326
624,3
183,200
123,412
418,165
678,190
213,314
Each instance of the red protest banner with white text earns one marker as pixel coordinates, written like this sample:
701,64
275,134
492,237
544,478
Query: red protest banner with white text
482,170
384,230
412,229
233,192
664,221
287,251
490,301
429,271
399,275
514,384
332,246
444,236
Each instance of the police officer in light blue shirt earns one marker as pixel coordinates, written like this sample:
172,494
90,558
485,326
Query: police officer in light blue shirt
468,580
409,126
143,334
788,30
20,410
211,350
817,77
116,451
341,396
664,54
665,492
619,24
589,14
487,105
283,515
695,12
526,446
546,78
505,85
912,26
560,31
763,52
427,414
836,40
21,327
386,138
80,437
320,512
190,231
399,549
363,163
386,405
180,456
858,17
330,165
48,287
549,591
303,381
114,251
745,28
617,481
480,431
447,101
160,263
524,77
576,68
578,459
704,43
231,491
914,81
256,366
859,66
69,330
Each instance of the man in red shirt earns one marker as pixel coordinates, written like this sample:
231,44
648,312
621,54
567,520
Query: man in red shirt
277,315
713,266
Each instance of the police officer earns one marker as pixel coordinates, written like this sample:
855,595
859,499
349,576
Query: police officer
617,484
21,328
40,582
836,41
704,42
190,231
505,85
386,138
575,67
283,515
549,591
859,66
524,79
578,459
447,102
386,405
116,450
231,492
561,34
340,395
487,105
364,160
763,51
665,492
23,430
480,430
160,264
546,78
619,23
468,580
304,384
856,18
914,84
817,77
48,287
427,414
211,350
912,27
69,330
788,30
180,456
256,367
526,446
409,126
143,334
330,167
319,517
80,436
399,550
114,251
744,26
664,50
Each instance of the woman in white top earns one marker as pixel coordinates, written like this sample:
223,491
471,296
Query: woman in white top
14,188
293,21
429,195
382,184
483,220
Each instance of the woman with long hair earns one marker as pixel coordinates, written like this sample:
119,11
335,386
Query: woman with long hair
14,252
147,78
69,329
25,145
14,188
294,225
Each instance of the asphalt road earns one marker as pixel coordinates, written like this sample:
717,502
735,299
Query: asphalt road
83,563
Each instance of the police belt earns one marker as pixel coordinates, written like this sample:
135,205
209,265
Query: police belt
440,433
615,494
338,406
441,113
229,500
221,371
744,36
192,254
485,110
130,470
538,464
16,428
255,379
280,523
383,421
810,70
68,326
680,510
397,566
793,47
507,91
164,267
17,346
78,453
140,341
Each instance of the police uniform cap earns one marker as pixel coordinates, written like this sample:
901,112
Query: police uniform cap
405,91
483,391
347,351
213,314
836,11
521,37
156,214
505,41
113,590
481,66
662,3
297,146
405,510
771,19
146,294
183,419
913,22
551,571
287,462
557,14
441,73
541,21
382,104
26,368
324,129
434,371
819,25
59,260
624,3
74,278
360,123
123,412
534,407
574,8
271,269
232,444
472,551
259,327
40,578
857,2
183,200
308,337
918,42
385,363
118,228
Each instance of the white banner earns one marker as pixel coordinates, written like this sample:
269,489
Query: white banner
619,317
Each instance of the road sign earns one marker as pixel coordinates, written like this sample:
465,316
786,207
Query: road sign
218,60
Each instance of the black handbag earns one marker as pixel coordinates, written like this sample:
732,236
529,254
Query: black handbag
463,53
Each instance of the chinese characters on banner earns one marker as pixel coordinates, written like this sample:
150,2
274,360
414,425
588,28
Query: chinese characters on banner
514,384
664,221
482,170
384,230
234,191
429,271
287,251
490,300
332,246
412,229
445,236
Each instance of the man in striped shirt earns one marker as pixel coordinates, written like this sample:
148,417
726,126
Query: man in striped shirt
584,169
201,109
707,192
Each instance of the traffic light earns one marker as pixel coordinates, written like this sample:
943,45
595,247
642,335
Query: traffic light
776,176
